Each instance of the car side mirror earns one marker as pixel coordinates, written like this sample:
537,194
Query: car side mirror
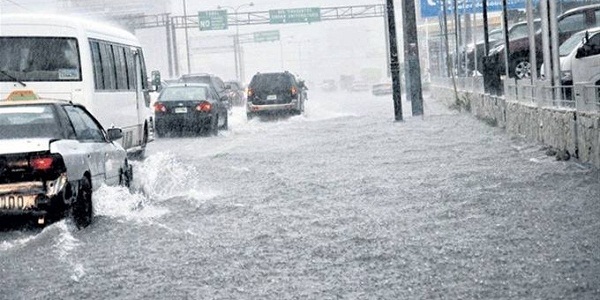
114,134
228,87
224,98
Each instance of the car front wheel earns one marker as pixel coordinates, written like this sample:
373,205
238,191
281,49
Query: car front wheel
521,68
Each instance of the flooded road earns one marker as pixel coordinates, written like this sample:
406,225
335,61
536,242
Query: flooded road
342,203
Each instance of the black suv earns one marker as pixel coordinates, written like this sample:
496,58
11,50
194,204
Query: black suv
216,84
279,92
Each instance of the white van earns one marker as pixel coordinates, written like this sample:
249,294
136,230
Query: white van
94,64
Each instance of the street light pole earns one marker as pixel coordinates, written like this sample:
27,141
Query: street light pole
187,40
236,41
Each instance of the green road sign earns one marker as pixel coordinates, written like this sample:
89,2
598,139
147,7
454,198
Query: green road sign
295,15
213,19
266,36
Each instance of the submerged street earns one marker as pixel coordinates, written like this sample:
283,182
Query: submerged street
342,203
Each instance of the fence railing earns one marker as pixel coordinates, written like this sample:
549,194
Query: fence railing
581,97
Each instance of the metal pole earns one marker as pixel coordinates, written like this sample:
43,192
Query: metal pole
475,54
532,51
387,43
486,34
169,45
546,39
554,43
236,49
456,39
412,65
505,35
394,61
187,40
175,49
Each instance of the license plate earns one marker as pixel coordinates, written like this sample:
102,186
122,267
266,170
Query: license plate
272,97
17,201
181,110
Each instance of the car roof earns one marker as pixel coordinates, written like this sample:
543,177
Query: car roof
189,84
44,101
580,8
196,75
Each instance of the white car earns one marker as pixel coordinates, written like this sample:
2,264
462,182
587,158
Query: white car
579,58
53,155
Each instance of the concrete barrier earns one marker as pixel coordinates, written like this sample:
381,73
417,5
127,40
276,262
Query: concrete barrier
569,130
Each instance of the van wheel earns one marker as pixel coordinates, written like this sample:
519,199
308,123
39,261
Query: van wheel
82,209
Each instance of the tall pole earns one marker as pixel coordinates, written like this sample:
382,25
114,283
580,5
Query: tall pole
236,48
411,58
394,60
169,47
187,40
505,35
532,46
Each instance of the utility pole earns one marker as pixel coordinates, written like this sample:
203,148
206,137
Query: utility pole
412,65
394,60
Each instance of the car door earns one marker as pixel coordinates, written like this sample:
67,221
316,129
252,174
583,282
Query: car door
100,153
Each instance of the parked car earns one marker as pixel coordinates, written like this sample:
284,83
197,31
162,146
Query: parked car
579,61
569,23
278,92
496,38
53,156
380,89
190,107
237,93
215,82
360,86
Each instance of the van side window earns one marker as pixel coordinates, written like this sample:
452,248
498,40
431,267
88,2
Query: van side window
130,68
143,67
121,67
97,64
108,67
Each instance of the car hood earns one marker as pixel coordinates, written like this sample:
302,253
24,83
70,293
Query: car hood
11,146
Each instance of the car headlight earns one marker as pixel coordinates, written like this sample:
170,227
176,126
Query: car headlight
566,76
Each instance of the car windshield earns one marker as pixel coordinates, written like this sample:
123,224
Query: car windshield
571,43
28,121
184,93
39,59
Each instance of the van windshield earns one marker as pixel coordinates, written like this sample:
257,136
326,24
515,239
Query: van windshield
39,59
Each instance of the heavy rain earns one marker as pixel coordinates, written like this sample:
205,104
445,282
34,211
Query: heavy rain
288,150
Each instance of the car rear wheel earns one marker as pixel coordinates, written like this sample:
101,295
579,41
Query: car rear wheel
225,125
82,210
213,128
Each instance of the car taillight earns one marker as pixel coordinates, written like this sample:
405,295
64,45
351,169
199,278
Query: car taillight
294,91
159,107
41,163
250,92
204,106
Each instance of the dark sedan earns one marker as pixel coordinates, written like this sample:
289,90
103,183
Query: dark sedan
190,107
